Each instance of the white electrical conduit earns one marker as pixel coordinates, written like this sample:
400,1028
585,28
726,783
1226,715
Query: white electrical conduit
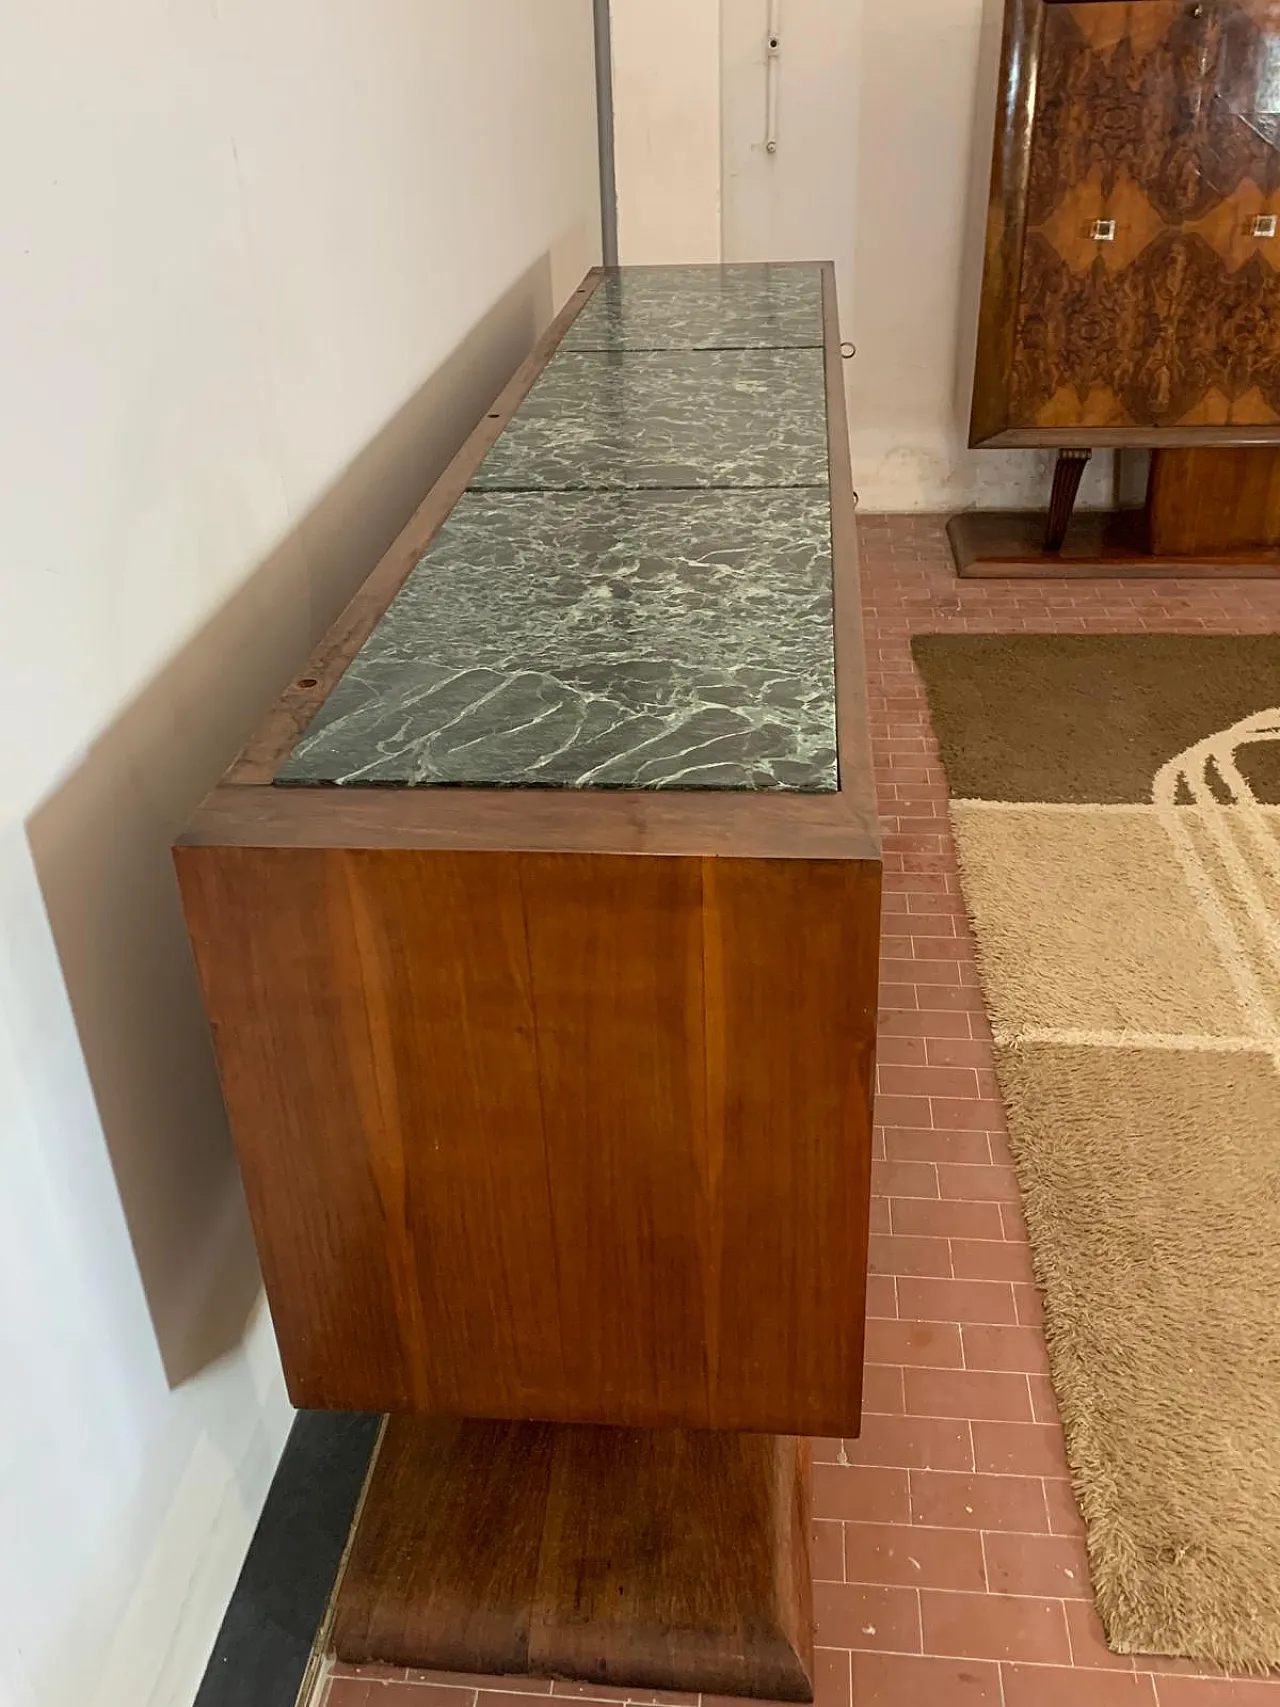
772,47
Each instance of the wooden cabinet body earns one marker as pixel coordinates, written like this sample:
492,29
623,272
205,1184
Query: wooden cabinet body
554,1103
1131,264
539,932
578,1136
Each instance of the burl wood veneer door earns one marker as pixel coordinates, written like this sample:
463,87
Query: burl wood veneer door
1149,293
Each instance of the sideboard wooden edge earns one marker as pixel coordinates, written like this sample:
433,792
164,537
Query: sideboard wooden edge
748,825
275,737
857,782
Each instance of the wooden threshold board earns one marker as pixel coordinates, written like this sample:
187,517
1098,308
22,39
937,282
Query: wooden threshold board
1008,544
649,1558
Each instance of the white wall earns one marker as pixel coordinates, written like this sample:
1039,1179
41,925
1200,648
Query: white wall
261,268
915,87
666,129
875,131
795,204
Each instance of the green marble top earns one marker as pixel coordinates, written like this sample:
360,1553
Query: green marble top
666,418
702,308
597,640
635,592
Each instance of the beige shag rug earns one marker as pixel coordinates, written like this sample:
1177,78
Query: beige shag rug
1116,806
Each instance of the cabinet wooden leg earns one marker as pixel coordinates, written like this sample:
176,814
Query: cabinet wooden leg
1066,483
651,1558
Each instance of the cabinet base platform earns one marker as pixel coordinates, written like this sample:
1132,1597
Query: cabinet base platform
1009,544
661,1559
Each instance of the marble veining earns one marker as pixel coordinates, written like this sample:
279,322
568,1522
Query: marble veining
598,640
702,308
686,418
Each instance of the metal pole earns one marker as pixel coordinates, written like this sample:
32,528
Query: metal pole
604,135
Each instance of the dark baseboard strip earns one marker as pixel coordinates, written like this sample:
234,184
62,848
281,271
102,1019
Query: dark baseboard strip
261,1654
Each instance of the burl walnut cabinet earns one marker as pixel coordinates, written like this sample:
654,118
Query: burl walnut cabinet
538,930
1131,278
1124,265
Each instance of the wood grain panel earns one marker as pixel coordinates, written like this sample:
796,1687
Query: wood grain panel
374,1028
569,1137
791,966
621,1557
615,956
1214,501
675,1559
443,1569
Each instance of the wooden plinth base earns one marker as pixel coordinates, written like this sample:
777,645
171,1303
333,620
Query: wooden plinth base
661,1559
1003,544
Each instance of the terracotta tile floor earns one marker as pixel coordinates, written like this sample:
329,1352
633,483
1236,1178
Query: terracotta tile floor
950,1564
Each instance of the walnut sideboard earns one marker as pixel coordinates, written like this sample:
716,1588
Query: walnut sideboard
538,932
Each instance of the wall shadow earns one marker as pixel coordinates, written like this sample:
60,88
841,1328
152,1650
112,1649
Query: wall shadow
101,845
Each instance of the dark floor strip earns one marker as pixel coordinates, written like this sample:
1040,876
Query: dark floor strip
266,1637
